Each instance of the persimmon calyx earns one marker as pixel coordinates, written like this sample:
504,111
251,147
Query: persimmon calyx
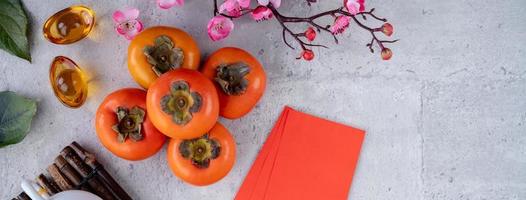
180,103
163,55
129,123
200,150
232,78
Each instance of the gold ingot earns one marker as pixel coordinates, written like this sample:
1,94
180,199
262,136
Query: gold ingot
69,25
68,82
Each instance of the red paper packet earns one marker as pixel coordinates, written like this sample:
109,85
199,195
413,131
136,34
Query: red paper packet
304,157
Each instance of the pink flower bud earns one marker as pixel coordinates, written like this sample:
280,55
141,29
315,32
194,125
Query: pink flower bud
387,29
307,54
310,34
261,13
340,24
386,53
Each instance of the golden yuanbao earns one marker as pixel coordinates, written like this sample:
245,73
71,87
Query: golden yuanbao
67,81
69,25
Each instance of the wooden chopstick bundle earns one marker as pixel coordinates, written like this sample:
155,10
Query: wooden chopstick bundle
73,158
70,173
108,180
23,196
76,168
49,185
62,181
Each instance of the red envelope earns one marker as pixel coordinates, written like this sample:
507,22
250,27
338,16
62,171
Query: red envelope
304,157
248,186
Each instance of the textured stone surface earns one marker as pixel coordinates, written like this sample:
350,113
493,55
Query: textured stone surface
445,118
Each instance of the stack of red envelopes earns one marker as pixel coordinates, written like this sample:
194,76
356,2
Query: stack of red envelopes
304,157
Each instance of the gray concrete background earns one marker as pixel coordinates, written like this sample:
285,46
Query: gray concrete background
445,118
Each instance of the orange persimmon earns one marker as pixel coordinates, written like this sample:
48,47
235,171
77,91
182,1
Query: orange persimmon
183,104
239,78
204,160
124,128
159,49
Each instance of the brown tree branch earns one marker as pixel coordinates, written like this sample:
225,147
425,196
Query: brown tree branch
285,20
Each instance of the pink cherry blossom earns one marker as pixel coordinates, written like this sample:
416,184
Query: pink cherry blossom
219,27
354,6
233,7
261,13
340,24
126,22
244,3
275,3
166,4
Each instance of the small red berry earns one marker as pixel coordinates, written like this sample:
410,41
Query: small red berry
307,54
310,34
387,29
386,53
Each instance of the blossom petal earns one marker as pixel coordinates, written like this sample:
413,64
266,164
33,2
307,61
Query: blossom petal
121,29
118,17
244,3
231,8
166,4
261,13
362,5
354,6
340,24
133,32
228,5
139,26
131,13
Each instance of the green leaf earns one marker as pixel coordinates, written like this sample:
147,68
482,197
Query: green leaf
16,114
14,28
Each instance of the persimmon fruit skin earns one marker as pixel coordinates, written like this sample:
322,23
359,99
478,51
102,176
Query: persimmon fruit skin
138,66
236,106
105,118
218,168
201,122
